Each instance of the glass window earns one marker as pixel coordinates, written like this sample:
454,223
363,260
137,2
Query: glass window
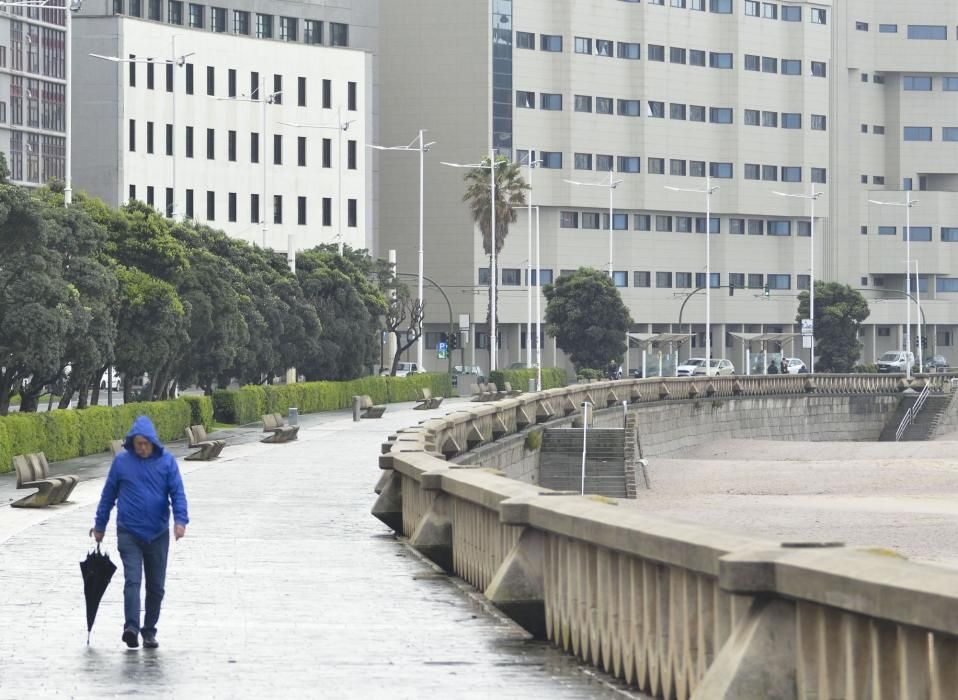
583,45
770,173
655,109
642,222
756,227
288,29
949,234
663,280
551,159
629,108
916,82
603,47
779,281
312,31
604,163
697,168
946,284
753,171
677,111
511,276
888,28
917,133
683,224
737,227
715,224
723,7
583,103
918,233
769,64
791,14
697,113
550,101
721,170
861,26
663,223
677,55
791,66
583,161
567,219
720,60
819,16
770,119
819,175
641,279
791,174
630,164
927,31
887,230
949,133
264,26
720,115
753,8
620,222
736,280
603,105
769,10
550,42
818,69
174,12
753,117
791,120
631,51
590,220
819,122
338,34
677,167
683,280
218,19
753,62
657,166
197,15
696,57
525,40
620,278
656,52
949,83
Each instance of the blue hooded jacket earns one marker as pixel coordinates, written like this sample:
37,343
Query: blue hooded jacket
143,489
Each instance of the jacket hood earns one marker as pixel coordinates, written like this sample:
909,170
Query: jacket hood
144,426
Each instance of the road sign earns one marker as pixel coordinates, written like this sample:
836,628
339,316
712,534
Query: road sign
807,342
442,351
807,327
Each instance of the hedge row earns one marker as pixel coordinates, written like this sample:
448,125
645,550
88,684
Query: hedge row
552,378
248,404
64,434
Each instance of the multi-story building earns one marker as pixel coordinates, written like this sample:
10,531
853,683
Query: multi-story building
851,99
252,117
33,92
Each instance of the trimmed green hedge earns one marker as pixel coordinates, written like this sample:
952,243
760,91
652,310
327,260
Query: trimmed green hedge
552,378
64,434
201,410
248,404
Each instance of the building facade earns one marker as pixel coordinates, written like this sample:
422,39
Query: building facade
756,99
249,120
33,92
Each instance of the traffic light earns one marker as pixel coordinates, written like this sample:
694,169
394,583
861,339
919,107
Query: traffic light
765,291
454,341
731,289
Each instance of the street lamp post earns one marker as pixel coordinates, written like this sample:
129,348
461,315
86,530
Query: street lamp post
531,164
812,197
611,184
907,204
708,191
493,336
538,310
342,127
173,60
69,9
422,148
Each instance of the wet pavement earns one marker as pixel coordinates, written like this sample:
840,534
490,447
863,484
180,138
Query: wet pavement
284,586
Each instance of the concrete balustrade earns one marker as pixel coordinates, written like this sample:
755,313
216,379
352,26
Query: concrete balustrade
673,609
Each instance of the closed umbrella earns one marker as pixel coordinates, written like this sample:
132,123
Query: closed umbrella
97,570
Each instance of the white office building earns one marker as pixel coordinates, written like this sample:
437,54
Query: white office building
854,99
253,123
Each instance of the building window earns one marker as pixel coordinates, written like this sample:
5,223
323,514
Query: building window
210,206
642,222
753,62
327,153
737,227
663,223
756,280
916,82
218,20
696,57
550,101
641,279
770,173
791,14
301,211
753,171
677,55
169,139
791,120
715,280
301,151
327,94
583,103
720,60
568,219
174,11
683,280
677,167
887,230
231,207
946,284
241,22
169,202
604,163
189,78
189,142
861,26
301,92
254,147
590,220
655,109
683,224
721,170
131,140
231,146
351,96
715,224
149,137
277,149
819,175
753,117
791,66
210,81
921,234
820,16
603,47
277,208
156,14
779,281
791,174
657,166
169,77
927,31
327,211
277,95
949,234
583,161
656,52
697,168
620,278
210,144
629,108
949,83
917,133
351,155
525,40
338,34
196,15
312,31
677,111
628,50
551,159
288,29
818,69
770,119
254,208
603,105
351,215
696,113
722,7
779,227
819,122
583,45
720,115
189,204
131,193
511,277
769,64
753,8
663,280
550,42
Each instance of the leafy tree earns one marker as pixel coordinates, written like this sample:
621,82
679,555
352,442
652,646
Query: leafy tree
510,195
586,316
839,314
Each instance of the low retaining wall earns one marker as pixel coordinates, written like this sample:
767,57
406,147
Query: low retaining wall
674,609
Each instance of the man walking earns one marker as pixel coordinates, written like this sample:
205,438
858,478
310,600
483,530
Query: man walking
144,480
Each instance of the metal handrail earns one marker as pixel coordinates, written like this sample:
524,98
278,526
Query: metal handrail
912,413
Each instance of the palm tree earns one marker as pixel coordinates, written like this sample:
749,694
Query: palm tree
510,195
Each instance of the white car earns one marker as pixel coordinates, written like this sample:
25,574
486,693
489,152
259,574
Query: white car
687,368
715,368
794,365
407,368
105,380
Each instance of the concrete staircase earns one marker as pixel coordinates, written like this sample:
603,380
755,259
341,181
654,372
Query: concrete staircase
924,425
560,461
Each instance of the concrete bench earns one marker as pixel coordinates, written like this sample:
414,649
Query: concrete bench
277,428
427,400
116,447
369,409
509,391
33,471
206,449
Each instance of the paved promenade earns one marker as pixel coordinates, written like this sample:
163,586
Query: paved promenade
285,586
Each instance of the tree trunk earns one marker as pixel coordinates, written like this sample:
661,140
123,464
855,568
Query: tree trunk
93,383
127,389
83,391
4,403
29,402
64,401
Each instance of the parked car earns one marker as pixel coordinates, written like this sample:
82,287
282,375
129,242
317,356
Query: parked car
936,363
895,361
105,380
795,365
716,368
474,370
407,368
687,368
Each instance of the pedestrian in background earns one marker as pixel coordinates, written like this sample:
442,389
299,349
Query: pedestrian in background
143,482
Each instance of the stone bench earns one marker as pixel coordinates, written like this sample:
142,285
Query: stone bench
509,391
427,400
116,447
206,449
369,409
33,471
278,429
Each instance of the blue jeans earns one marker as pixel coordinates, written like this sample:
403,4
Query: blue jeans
141,558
